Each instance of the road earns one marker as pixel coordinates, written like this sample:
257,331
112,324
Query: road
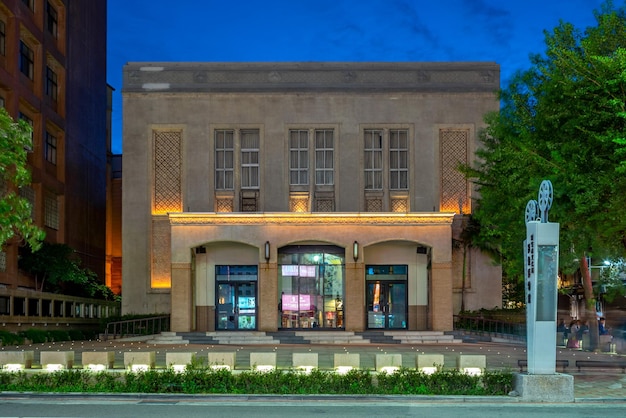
291,407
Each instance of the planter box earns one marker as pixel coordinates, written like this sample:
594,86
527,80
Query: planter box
62,359
23,358
98,358
139,360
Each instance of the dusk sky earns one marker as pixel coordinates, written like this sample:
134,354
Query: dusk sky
504,31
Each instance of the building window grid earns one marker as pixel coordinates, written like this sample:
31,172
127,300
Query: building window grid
28,193
52,86
30,122
398,160
324,157
373,159
51,148
51,211
3,261
298,157
250,159
224,161
52,22
27,60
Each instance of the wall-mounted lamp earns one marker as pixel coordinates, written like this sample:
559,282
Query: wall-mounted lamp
267,251
355,251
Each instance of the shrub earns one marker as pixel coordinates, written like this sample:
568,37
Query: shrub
10,338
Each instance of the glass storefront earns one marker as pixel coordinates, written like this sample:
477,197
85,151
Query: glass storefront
311,287
236,293
386,296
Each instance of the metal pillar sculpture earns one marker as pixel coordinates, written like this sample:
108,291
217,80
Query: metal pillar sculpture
541,251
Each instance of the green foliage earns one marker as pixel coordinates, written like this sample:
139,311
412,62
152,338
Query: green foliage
57,268
201,379
564,120
9,338
15,211
36,336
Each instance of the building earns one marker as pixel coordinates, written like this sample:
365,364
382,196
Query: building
273,196
53,75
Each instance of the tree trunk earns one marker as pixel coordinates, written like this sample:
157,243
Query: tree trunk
590,306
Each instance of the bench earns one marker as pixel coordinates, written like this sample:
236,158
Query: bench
559,363
602,364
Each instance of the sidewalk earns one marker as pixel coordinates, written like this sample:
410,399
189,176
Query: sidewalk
590,384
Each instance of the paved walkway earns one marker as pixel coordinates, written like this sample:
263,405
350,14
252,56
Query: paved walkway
607,385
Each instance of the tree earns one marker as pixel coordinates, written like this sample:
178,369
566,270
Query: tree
56,269
564,120
15,211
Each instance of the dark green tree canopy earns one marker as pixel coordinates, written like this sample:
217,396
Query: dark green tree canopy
564,120
15,211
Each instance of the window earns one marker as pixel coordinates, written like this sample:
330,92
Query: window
27,60
51,148
224,161
28,193
51,210
30,4
249,159
3,38
398,151
51,84
29,121
324,157
373,160
398,160
52,20
298,157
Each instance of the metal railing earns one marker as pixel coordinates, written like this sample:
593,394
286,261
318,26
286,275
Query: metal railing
491,327
137,327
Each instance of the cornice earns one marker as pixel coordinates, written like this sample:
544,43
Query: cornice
172,77
317,219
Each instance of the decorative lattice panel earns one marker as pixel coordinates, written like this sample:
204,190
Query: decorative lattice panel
224,205
325,205
399,205
167,172
374,205
453,152
3,261
161,255
299,204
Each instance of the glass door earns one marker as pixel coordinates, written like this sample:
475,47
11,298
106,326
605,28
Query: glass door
236,306
386,305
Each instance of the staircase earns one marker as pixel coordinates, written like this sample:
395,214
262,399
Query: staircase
305,337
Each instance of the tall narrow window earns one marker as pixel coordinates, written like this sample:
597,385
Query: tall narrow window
27,60
51,84
324,157
298,157
51,148
373,160
398,160
224,161
250,159
52,19
51,209
3,38
29,121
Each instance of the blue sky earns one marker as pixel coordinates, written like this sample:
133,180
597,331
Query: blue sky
504,31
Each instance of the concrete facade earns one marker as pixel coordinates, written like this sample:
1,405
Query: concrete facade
264,168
